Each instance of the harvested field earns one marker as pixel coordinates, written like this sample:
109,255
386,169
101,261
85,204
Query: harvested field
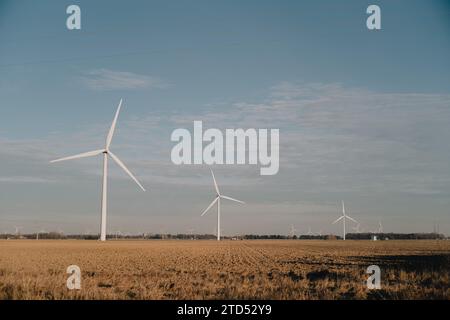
271,269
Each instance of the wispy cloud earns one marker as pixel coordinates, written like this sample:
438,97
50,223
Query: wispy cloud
357,139
339,139
25,179
105,79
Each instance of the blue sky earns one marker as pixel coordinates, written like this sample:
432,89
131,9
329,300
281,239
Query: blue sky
363,115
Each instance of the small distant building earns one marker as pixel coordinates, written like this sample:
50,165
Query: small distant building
374,238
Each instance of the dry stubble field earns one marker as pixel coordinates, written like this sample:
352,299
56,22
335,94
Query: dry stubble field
270,269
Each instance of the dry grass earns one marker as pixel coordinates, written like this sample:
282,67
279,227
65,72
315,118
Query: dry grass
227,270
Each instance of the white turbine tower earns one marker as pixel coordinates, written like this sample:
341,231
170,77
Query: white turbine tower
106,152
215,231
343,217
217,199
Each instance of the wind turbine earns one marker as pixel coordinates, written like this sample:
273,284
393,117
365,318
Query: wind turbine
343,217
18,231
357,228
380,227
106,152
217,199
309,233
292,231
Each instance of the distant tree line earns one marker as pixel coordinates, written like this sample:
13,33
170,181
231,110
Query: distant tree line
44,235
395,236
349,236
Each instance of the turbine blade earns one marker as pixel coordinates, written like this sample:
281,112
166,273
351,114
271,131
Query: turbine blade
341,217
120,163
215,183
232,199
81,155
209,207
113,126
348,217
343,208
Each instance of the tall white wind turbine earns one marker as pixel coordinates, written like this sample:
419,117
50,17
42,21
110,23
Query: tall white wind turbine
217,199
106,152
343,217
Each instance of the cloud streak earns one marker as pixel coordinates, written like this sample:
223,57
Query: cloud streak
106,79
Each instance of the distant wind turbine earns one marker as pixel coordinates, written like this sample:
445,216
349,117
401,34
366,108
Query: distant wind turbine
309,233
163,233
343,217
106,152
39,232
357,228
217,199
380,227
292,231
191,233
18,230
